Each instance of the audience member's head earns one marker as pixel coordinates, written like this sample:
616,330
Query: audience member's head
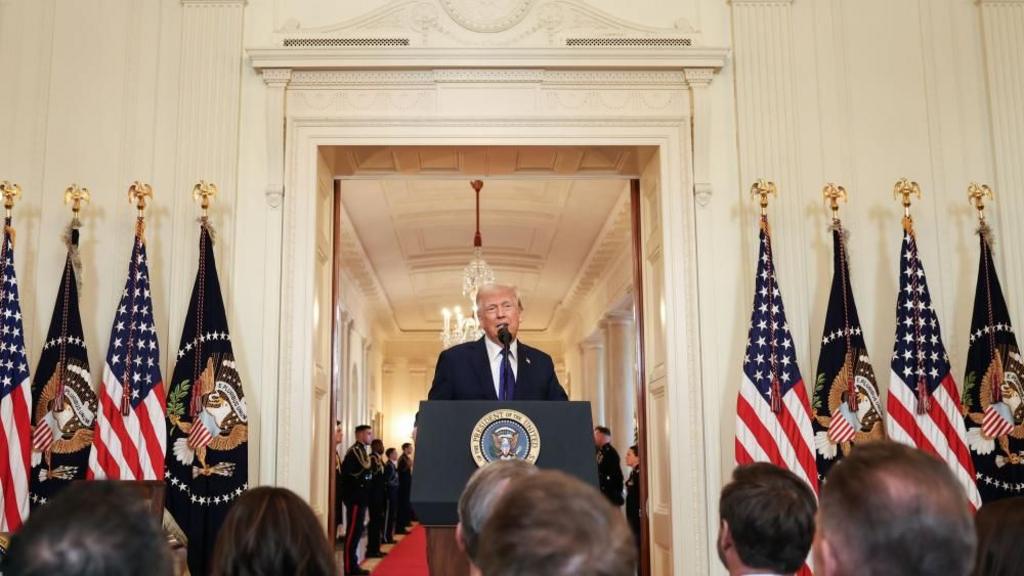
602,435
767,520
364,433
479,496
391,454
633,456
1000,526
888,509
407,449
91,529
551,524
270,530
339,434
377,446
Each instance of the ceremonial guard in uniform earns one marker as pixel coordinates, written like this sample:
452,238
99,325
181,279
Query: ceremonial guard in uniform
404,489
609,470
633,492
357,473
378,501
391,485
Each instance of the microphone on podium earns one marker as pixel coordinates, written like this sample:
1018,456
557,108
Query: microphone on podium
504,336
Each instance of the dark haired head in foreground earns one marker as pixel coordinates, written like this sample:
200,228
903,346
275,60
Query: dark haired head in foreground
479,497
767,520
888,509
551,524
91,529
268,531
1000,527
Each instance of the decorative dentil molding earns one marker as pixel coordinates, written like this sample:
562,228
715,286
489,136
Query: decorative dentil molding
498,23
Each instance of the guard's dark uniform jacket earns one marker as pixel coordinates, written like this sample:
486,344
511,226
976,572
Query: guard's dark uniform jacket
633,502
609,474
356,474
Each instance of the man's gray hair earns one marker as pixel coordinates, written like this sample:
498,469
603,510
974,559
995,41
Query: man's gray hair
488,288
481,493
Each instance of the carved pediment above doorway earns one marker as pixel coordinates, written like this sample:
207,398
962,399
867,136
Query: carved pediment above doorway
487,23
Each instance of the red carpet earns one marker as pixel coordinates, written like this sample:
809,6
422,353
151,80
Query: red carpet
407,558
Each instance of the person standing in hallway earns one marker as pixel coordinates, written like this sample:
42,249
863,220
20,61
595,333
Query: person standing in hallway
609,467
633,492
391,485
404,489
339,481
356,475
378,500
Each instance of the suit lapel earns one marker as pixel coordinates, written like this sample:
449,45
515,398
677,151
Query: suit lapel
522,369
482,367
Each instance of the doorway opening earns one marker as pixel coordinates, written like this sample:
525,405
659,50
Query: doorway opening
564,224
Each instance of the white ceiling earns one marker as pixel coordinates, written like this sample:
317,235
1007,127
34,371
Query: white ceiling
415,235
553,219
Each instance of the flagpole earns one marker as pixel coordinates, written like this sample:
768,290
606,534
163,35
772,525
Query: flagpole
203,192
906,188
74,195
976,194
762,189
138,193
833,193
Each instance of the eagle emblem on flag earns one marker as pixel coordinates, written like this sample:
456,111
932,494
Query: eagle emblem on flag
64,427
221,423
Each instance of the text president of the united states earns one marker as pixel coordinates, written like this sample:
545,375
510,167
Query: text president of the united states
479,370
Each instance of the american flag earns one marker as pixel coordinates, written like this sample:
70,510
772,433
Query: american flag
15,398
923,402
132,433
773,417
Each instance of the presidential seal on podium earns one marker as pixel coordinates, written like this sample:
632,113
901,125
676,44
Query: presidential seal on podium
504,435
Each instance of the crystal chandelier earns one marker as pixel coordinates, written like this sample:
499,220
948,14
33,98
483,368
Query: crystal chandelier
457,327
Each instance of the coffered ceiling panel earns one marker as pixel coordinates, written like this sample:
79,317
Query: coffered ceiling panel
417,233
589,161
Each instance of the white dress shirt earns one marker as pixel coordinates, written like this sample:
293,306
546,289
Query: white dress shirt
494,356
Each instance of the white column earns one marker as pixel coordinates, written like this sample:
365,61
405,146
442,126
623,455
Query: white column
766,112
1002,23
620,378
592,350
276,82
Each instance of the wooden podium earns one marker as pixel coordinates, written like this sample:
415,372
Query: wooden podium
444,462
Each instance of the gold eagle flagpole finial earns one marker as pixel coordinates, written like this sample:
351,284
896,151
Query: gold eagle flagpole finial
833,193
204,192
138,192
906,189
977,193
11,192
76,195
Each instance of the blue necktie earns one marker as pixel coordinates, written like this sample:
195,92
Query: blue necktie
507,381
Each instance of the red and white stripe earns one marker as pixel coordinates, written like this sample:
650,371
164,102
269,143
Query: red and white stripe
42,437
840,430
15,456
199,436
994,424
129,447
940,431
785,439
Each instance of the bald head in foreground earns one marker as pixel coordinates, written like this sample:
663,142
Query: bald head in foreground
888,509
478,370
551,524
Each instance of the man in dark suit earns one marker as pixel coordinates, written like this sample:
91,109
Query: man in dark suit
404,489
609,470
480,370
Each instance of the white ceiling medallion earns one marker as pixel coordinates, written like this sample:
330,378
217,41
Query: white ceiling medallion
487,15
